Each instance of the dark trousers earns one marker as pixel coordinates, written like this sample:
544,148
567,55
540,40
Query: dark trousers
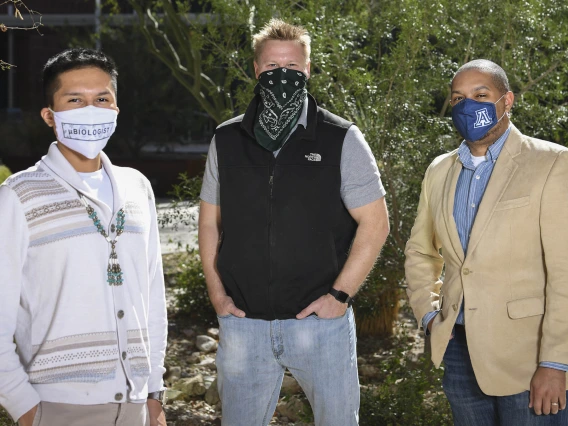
471,407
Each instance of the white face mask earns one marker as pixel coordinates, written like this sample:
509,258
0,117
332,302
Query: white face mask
85,130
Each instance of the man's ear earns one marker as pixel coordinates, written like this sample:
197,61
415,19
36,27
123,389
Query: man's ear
309,69
47,116
509,100
256,70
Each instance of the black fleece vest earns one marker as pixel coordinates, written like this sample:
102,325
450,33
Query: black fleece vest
286,233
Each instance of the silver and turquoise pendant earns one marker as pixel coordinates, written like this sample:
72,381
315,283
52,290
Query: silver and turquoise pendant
114,272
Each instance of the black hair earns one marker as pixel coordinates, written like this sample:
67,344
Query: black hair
73,59
497,73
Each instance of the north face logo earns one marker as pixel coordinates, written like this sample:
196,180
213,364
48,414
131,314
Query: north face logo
313,157
482,118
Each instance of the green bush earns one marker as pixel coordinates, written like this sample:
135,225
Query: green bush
408,394
5,419
191,295
4,173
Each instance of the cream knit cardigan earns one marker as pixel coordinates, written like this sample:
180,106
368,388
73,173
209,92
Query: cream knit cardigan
79,340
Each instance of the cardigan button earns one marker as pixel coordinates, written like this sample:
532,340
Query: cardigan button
120,314
123,355
118,397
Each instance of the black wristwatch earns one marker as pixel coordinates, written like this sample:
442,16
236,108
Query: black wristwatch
341,296
159,396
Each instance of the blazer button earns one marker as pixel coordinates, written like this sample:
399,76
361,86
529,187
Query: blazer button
120,314
118,397
455,307
466,271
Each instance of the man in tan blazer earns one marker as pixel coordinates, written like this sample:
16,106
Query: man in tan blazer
487,262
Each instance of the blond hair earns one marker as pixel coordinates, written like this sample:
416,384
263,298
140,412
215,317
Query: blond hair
277,29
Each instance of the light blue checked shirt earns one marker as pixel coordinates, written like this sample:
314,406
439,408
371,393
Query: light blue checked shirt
470,188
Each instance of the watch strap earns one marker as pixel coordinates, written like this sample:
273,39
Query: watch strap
341,296
159,396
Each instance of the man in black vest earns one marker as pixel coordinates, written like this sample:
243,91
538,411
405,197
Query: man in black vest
292,219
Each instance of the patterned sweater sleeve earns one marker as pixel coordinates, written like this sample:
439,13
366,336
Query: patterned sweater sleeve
17,395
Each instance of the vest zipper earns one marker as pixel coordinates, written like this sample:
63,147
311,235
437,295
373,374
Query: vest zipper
272,167
270,233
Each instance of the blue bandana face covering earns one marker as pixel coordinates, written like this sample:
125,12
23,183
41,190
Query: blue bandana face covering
474,119
282,92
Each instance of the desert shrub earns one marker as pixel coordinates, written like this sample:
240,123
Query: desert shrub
5,419
191,295
4,173
408,394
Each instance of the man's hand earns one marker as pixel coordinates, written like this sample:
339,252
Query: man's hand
548,386
28,418
224,305
156,413
325,307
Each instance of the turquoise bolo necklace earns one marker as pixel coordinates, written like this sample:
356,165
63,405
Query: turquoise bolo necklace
114,273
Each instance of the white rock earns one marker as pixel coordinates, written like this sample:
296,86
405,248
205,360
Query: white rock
213,332
194,358
208,362
212,394
290,386
192,386
174,373
174,395
206,343
291,408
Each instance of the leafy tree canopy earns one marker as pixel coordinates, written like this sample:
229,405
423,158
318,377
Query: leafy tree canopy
385,65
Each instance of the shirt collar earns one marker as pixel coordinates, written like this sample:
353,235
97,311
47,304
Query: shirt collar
56,162
308,117
493,152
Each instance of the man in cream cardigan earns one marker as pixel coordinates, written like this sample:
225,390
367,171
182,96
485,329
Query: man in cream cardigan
494,213
81,283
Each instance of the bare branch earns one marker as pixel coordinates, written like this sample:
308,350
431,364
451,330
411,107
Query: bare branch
535,81
18,14
4,66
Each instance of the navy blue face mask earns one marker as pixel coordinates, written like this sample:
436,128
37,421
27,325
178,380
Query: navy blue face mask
473,119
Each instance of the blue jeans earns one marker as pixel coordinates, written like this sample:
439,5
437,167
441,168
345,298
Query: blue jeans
471,407
320,354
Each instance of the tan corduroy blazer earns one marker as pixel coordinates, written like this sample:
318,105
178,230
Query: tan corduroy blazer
514,279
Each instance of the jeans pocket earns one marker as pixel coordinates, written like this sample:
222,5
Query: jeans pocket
334,318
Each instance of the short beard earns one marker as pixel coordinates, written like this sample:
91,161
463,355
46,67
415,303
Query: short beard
492,135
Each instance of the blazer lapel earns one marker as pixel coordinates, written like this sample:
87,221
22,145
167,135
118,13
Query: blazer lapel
503,172
448,206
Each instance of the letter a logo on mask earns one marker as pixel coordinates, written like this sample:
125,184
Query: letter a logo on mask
482,118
